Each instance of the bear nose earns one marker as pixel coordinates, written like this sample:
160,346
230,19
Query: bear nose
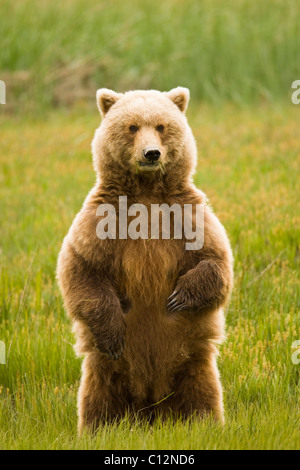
151,153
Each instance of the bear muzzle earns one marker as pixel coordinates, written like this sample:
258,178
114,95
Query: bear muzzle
151,156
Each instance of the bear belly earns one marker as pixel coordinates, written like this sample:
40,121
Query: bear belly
156,345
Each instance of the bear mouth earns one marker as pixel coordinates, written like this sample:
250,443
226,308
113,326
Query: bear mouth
148,165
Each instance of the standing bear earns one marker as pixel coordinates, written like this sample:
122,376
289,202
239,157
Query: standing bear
147,310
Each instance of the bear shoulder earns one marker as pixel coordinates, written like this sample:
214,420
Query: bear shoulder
82,235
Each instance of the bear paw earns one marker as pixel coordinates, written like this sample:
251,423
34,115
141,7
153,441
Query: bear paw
112,343
179,300
185,295
200,288
114,350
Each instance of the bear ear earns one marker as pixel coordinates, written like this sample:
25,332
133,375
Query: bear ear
180,96
105,99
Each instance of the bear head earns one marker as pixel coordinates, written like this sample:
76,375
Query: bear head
144,133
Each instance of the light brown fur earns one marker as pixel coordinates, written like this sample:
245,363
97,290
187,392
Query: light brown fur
116,291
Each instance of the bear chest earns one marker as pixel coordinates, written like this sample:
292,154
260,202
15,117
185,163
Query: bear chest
150,267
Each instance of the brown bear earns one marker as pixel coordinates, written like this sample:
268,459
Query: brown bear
147,311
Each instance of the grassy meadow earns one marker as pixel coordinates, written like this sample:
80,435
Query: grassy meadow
57,53
239,65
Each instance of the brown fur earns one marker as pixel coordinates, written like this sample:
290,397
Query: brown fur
116,291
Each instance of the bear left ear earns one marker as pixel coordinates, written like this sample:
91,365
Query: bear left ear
105,99
180,96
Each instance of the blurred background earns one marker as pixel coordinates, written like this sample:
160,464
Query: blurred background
239,58
56,54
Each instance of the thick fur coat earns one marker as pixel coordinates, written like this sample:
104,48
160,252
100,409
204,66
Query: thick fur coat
145,352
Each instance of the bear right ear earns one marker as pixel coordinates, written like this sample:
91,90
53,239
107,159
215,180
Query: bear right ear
105,99
180,96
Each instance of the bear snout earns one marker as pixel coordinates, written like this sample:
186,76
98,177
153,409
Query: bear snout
151,153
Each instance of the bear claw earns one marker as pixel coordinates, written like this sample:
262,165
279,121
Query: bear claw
175,305
113,356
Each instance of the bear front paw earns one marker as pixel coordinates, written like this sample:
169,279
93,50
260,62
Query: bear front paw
200,288
112,343
179,300
113,349
185,295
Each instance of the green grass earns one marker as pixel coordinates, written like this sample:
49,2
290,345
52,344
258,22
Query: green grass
249,167
57,53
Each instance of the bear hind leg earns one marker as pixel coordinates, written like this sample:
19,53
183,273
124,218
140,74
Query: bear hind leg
197,392
101,397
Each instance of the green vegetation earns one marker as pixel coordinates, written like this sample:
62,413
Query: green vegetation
59,53
239,59
249,168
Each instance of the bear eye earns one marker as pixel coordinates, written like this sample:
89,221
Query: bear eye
160,128
133,129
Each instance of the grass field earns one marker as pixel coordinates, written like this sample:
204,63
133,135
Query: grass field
239,59
57,53
249,167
